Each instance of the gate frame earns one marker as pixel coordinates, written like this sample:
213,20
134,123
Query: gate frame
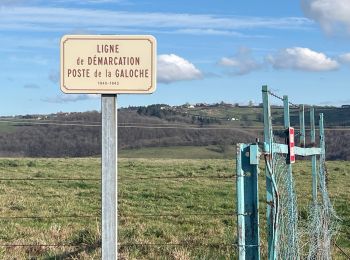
247,171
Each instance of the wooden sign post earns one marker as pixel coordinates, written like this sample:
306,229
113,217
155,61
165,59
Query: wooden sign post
108,65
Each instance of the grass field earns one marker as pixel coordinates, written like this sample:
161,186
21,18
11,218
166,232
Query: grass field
179,152
6,127
252,116
188,204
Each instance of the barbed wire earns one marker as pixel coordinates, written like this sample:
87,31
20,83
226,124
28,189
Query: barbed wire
124,215
50,179
172,126
159,214
341,250
50,217
44,245
17,119
190,245
153,126
128,245
178,214
50,123
178,244
281,98
120,179
176,177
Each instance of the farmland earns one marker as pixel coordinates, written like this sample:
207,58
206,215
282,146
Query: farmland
78,134
168,208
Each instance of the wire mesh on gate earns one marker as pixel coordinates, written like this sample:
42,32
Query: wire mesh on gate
286,215
322,222
67,246
321,226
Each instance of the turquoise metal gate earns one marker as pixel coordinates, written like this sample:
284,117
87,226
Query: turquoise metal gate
281,204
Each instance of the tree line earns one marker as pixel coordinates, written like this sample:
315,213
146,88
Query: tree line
84,139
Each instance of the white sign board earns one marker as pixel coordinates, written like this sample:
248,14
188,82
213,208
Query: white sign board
108,64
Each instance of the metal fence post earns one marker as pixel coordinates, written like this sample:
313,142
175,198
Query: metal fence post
323,152
313,157
302,125
269,191
240,203
322,137
109,177
248,201
292,211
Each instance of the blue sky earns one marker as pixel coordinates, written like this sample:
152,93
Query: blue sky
208,51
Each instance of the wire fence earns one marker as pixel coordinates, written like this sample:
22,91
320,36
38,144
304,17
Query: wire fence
213,127
322,227
178,244
224,177
83,246
50,179
176,214
49,217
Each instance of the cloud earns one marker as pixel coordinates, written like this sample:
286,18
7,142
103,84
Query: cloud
173,68
242,63
89,2
23,46
218,32
105,1
199,31
70,98
332,15
98,20
30,60
85,2
54,76
10,2
303,59
344,58
210,74
32,86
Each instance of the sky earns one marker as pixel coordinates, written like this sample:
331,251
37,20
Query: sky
208,51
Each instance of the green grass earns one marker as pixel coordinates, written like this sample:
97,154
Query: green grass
252,116
245,115
151,195
6,127
49,198
179,152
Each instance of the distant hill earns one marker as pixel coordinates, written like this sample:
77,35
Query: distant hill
160,125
